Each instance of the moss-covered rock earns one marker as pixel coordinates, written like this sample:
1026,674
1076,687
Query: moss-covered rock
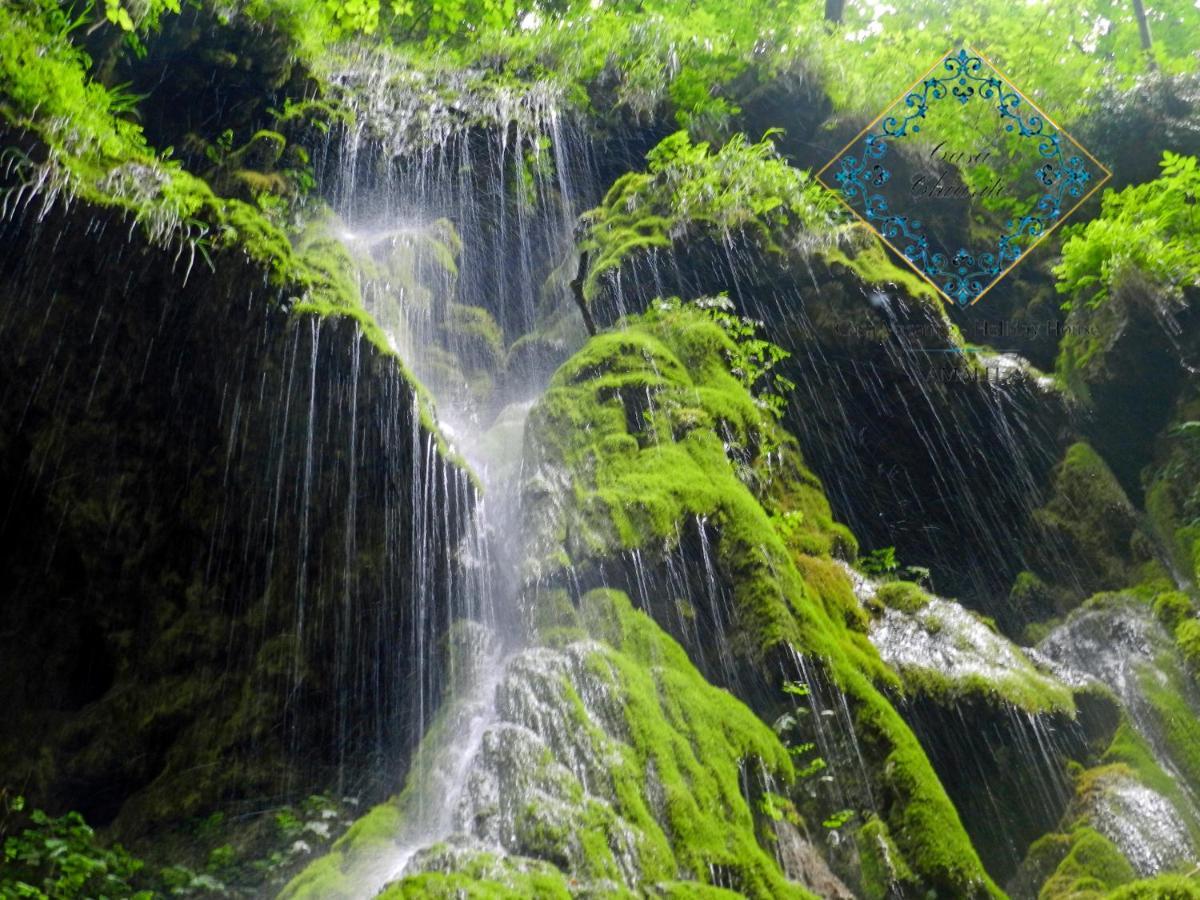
659,447
654,780
1088,538
1092,866
947,653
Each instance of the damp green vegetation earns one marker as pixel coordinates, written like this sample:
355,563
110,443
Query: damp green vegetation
62,858
654,433
1164,887
1091,864
1167,689
689,189
1146,231
739,192
1089,514
78,141
1129,748
1140,252
658,422
1180,616
902,595
1081,861
676,764
883,866
1173,491
959,657
697,63
871,263
90,148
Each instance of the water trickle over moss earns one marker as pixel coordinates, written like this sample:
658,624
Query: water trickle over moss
646,429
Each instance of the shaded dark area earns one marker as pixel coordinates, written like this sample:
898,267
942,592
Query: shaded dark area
207,72
208,517
1005,769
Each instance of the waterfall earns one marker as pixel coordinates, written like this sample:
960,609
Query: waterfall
458,219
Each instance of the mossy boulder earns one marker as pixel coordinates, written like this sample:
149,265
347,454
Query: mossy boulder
948,654
1088,537
665,456
655,780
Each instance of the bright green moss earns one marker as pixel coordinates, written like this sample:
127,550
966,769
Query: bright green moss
902,595
1029,693
678,763
881,865
689,890
694,738
1129,747
921,820
976,663
690,189
485,877
1164,887
329,877
1172,607
1187,639
669,467
1090,515
1092,866
44,87
870,262
1164,686
833,586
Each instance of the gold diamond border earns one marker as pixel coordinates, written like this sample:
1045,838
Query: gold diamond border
1061,219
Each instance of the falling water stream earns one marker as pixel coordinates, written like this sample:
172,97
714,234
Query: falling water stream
432,212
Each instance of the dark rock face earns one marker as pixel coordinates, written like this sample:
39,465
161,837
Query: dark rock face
1164,106
224,533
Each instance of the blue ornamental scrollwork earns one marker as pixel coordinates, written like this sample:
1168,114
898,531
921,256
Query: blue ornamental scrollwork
962,275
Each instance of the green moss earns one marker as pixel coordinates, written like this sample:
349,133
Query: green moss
689,890
1092,866
834,588
871,263
474,333
902,595
666,468
1164,887
1089,515
881,865
689,189
1187,639
1129,748
697,744
96,154
978,664
1027,692
330,876
485,877
44,87
1172,607
1165,688
1042,858
694,738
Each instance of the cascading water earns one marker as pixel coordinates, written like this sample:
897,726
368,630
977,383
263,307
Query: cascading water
455,229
